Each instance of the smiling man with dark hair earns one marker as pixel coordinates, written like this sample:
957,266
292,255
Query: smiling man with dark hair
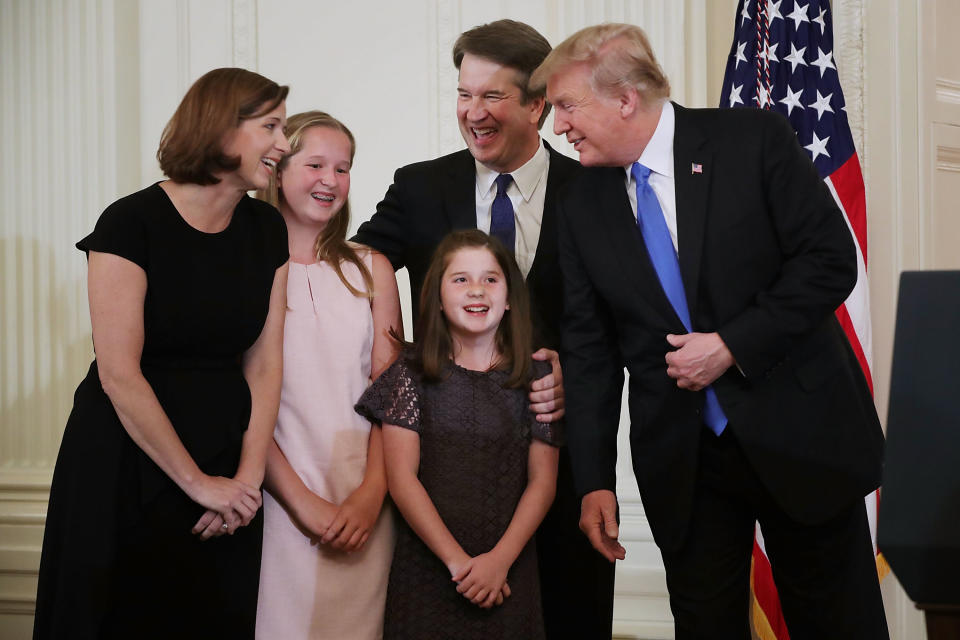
506,183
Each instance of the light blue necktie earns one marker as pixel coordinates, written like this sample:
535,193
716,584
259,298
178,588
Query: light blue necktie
656,235
502,225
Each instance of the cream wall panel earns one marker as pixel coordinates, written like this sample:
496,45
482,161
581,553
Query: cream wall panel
944,224
57,112
58,122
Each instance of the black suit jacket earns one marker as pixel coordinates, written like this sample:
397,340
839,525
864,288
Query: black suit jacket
766,258
429,199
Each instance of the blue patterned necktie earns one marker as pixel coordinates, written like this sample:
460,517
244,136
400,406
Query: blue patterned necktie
656,235
502,225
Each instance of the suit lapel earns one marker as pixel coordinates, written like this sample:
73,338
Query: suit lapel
561,169
691,169
626,242
459,189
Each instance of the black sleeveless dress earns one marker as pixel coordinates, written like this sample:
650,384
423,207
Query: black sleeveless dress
119,559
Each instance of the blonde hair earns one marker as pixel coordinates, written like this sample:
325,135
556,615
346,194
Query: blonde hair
331,245
619,56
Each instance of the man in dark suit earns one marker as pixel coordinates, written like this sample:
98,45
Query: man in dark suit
746,401
500,122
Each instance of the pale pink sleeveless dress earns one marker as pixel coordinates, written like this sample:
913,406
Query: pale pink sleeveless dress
306,589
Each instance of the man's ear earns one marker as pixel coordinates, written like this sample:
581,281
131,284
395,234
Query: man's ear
536,108
630,102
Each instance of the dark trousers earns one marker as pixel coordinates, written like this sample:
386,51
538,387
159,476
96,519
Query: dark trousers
825,573
576,582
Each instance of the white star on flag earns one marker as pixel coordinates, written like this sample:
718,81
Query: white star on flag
818,146
792,100
773,9
745,14
796,57
819,20
739,54
824,61
822,104
735,95
799,15
770,52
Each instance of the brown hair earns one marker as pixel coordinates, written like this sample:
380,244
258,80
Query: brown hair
619,55
191,147
511,44
331,245
434,345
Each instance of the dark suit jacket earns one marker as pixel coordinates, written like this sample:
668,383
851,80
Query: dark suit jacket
429,199
766,258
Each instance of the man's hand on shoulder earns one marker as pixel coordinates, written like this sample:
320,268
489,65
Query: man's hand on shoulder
699,359
546,394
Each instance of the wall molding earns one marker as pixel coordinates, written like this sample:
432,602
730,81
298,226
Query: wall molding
948,90
23,510
448,28
245,34
948,158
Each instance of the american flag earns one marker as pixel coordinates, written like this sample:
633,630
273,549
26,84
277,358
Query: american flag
782,59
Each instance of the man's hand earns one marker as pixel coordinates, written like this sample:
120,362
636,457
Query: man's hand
598,519
700,359
546,394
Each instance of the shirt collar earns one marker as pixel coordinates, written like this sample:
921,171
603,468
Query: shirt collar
526,177
658,154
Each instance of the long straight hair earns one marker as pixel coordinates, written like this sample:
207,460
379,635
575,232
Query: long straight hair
331,244
434,344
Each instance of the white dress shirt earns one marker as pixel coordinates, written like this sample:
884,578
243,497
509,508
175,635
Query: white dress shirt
527,192
658,157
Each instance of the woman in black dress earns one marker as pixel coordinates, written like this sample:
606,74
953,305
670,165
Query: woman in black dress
154,526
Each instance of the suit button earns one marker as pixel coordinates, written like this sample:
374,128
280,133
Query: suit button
696,411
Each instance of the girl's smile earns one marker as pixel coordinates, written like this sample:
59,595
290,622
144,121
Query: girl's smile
473,295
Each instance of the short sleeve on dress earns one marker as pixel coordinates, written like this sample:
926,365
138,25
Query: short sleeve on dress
274,231
120,231
282,250
393,398
549,432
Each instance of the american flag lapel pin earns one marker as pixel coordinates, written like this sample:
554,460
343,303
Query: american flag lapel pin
696,167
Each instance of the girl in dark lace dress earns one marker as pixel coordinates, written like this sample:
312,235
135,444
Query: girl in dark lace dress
468,465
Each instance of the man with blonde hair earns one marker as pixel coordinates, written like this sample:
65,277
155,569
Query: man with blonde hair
701,251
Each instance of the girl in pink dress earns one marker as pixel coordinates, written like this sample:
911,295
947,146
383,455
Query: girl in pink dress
328,539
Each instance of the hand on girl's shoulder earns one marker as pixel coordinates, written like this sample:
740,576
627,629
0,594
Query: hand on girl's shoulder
540,369
551,433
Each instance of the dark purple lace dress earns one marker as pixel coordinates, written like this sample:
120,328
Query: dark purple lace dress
474,441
